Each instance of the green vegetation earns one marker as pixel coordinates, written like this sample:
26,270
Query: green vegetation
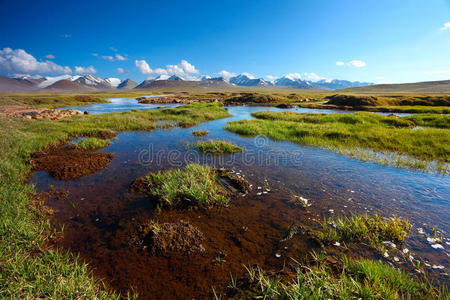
199,133
28,269
359,135
194,185
92,143
363,228
217,147
350,279
410,100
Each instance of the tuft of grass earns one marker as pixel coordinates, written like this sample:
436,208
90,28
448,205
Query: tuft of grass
92,143
359,135
217,147
199,133
358,228
194,185
354,279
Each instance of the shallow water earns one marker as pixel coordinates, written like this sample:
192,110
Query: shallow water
120,105
100,212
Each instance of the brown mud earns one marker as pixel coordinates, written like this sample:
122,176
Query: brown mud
69,162
38,113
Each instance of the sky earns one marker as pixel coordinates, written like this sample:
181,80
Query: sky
380,41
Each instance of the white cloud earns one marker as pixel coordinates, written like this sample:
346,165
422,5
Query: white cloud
248,75
66,36
446,26
314,77
50,56
113,49
353,63
226,74
95,54
120,57
188,68
122,71
270,77
294,76
18,61
108,57
85,70
183,69
143,66
357,63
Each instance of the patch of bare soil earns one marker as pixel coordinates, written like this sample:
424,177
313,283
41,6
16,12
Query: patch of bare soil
164,238
183,99
37,113
69,162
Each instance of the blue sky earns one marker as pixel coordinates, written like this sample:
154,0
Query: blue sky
377,41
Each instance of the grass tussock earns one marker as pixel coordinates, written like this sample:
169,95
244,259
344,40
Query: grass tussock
218,147
200,133
192,186
351,279
363,228
92,143
27,268
358,134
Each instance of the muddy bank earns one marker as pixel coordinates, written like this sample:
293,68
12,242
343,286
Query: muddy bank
69,162
38,113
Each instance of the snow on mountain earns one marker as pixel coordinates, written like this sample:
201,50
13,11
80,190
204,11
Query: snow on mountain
51,80
94,81
175,78
245,79
162,77
114,82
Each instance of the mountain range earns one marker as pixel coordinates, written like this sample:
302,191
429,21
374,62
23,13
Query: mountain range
92,83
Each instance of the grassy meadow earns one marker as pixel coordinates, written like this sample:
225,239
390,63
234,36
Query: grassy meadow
359,135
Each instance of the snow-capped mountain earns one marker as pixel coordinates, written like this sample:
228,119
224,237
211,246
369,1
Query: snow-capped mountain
48,81
247,80
162,77
336,84
175,78
94,81
127,84
209,78
289,80
114,82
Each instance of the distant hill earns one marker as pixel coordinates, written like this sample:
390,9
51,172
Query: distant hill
425,87
69,86
8,85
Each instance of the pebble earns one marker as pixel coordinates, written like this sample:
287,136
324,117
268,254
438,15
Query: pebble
396,259
337,244
277,255
437,246
405,250
259,194
438,267
331,211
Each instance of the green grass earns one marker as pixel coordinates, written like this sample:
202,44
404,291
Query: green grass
217,147
199,133
363,228
361,135
354,279
194,185
29,269
92,143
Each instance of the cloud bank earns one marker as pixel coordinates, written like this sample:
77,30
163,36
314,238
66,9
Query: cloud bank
353,63
18,61
183,69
